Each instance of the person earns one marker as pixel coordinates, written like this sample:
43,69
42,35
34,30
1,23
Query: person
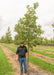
21,55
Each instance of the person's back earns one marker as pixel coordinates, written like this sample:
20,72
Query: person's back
21,56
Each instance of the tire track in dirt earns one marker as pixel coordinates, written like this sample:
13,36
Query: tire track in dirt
33,69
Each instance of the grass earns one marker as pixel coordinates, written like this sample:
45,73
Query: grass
5,66
12,45
14,50
44,50
43,53
45,47
41,63
37,61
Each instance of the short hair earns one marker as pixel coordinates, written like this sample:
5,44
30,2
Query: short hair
22,42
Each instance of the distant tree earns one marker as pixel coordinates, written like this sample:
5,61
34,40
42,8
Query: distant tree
2,40
51,41
53,25
46,40
8,38
27,29
41,40
53,31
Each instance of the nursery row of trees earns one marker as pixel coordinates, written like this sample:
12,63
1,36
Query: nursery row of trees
8,39
27,30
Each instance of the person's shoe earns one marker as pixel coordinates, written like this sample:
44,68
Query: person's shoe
25,72
21,73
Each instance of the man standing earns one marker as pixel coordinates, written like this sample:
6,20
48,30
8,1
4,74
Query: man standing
21,55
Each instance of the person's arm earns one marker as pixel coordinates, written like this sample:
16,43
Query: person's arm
17,54
26,53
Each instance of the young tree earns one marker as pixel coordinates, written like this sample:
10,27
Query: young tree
53,31
51,41
27,29
46,40
8,38
2,40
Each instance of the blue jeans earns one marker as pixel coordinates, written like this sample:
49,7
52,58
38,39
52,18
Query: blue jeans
21,62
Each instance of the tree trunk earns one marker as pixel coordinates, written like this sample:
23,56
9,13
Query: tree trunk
28,58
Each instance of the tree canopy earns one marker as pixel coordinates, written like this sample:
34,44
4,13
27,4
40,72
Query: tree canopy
27,29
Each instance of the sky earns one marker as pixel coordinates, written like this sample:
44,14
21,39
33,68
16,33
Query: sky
12,10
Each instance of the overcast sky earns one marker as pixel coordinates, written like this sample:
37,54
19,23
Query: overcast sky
12,10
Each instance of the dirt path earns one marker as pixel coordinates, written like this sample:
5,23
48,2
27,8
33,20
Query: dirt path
33,69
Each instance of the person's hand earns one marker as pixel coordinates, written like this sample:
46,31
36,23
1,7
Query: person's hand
27,57
16,58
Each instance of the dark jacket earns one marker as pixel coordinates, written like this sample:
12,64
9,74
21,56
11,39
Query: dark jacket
21,51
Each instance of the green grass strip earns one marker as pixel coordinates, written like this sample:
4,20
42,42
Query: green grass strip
5,66
41,63
45,47
13,45
43,53
44,50
14,50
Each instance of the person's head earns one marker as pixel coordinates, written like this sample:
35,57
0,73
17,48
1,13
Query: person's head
22,44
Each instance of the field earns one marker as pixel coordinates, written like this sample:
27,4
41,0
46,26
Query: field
41,59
